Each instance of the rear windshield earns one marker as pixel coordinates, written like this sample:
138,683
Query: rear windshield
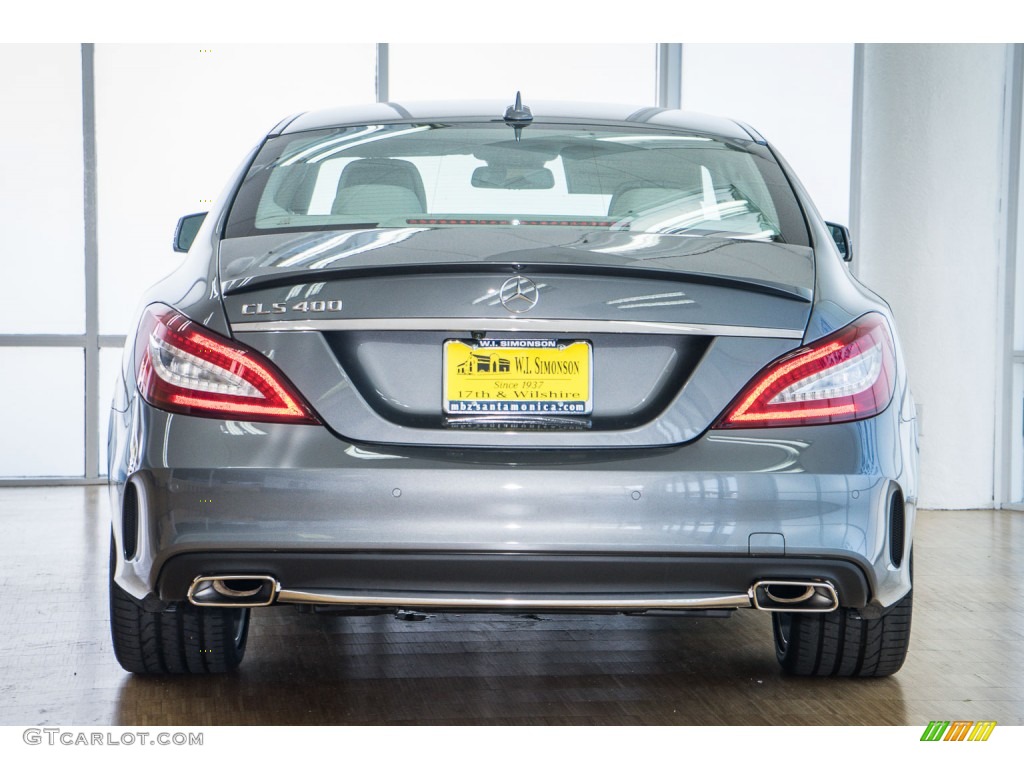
472,175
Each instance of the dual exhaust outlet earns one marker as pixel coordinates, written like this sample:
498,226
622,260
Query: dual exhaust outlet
805,596
233,591
252,591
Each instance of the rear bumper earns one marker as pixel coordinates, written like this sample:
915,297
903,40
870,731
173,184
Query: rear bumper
558,582
317,514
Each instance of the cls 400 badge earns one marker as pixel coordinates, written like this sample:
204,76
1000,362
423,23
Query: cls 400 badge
280,307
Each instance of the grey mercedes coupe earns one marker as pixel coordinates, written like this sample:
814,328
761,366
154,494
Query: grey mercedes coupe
565,358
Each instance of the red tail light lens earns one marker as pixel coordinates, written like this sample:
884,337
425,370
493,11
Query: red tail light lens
846,376
186,368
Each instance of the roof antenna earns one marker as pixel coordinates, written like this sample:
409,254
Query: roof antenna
518,116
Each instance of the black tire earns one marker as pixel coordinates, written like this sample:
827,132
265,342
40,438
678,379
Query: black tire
842,643
184,639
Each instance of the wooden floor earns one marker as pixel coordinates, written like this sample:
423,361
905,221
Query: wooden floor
966,658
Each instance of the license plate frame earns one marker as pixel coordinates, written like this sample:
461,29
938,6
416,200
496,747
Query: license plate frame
520,378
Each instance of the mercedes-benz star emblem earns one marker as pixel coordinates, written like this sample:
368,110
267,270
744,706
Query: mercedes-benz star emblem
519,294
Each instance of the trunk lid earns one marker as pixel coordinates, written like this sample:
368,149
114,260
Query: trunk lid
385,331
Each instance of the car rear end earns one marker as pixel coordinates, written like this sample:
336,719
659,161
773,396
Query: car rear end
604,366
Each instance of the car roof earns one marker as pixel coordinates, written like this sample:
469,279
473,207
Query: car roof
493,110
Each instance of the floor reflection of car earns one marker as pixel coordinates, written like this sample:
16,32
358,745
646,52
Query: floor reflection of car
717,414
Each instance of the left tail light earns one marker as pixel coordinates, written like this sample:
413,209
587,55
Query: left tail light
183,367
846,376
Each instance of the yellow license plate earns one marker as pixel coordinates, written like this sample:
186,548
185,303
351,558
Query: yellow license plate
518,377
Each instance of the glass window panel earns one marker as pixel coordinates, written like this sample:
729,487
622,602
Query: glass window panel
174,121
43,408
620,178
800,97
41,199
564,72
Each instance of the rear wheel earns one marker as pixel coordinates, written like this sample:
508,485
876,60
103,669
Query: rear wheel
181,639
842,643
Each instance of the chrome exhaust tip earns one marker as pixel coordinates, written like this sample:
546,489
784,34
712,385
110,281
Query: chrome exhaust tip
794,596
234,591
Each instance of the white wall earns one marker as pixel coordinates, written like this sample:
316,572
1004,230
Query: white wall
41,258
929,241
41,210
